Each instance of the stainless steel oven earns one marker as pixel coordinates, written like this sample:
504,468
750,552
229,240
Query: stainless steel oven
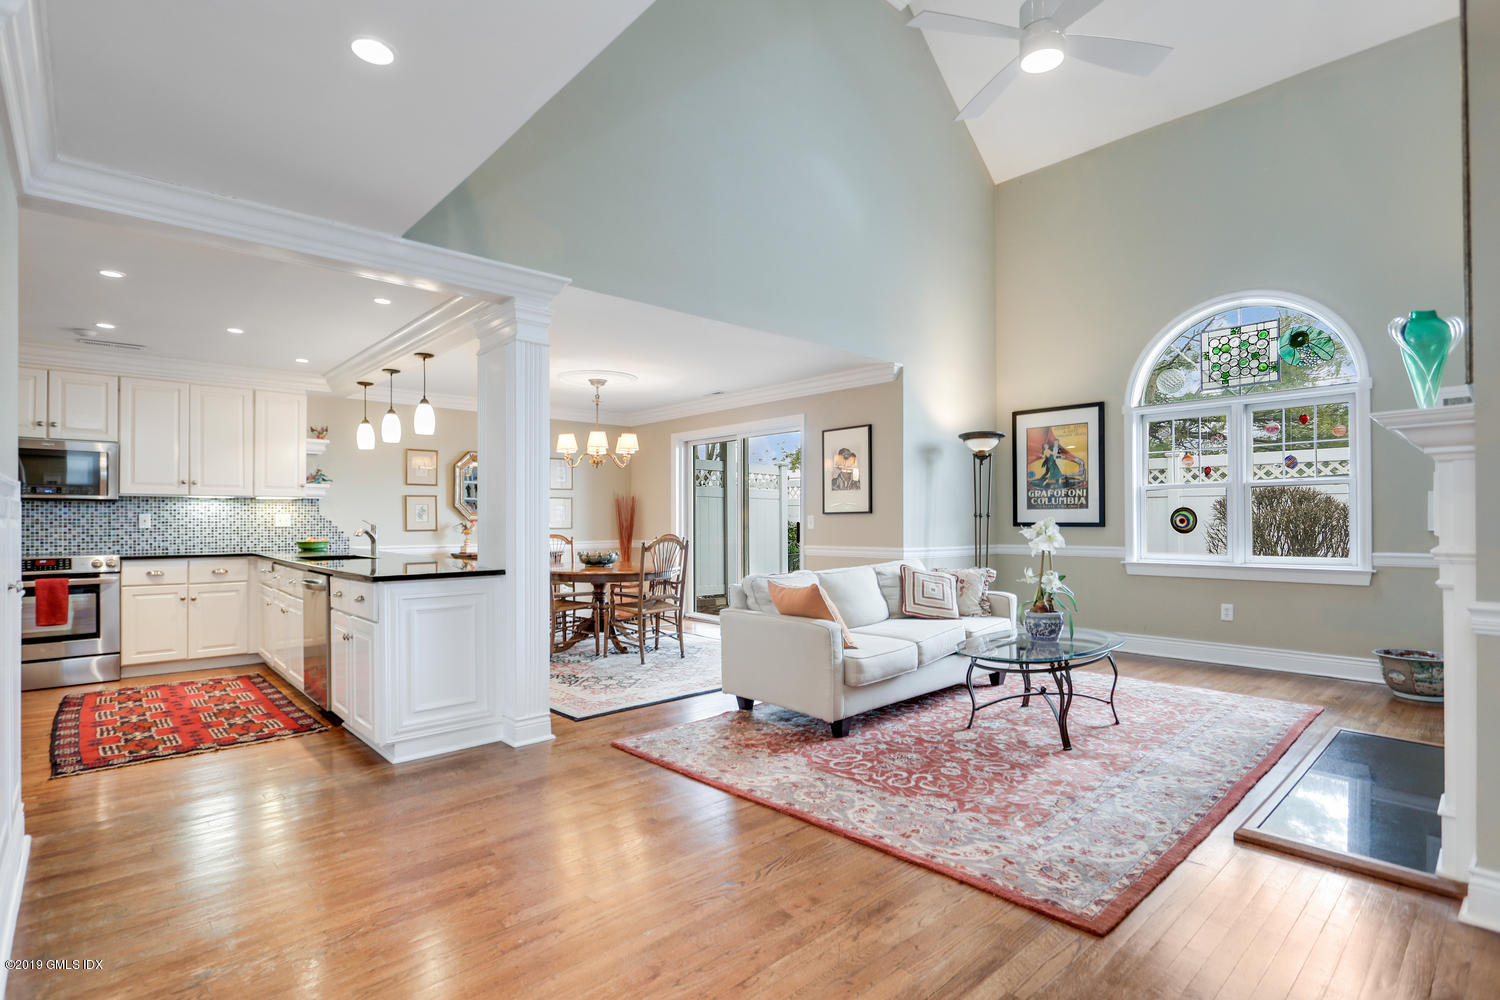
69,470
85,648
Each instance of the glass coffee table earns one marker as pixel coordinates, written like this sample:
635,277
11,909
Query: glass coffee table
1000,655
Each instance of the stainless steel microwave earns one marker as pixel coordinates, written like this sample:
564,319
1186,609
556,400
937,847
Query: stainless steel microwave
69,470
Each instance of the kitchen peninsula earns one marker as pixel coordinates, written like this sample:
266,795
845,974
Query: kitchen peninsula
406,659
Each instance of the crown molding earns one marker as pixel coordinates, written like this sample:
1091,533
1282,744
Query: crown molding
147,365
445,323
26,82
849,378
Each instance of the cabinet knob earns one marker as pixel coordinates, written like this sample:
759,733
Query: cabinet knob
192,598
195,482
284,611
183,599
41,423
156,572
19,588
220,571
52,423
182,482
267,603
359,598
338,593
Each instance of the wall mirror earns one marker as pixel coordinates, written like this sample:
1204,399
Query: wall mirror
466,484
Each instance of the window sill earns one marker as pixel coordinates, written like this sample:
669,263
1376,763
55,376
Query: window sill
1349,576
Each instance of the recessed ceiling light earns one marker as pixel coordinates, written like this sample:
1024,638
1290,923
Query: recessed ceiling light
373,51
382,302
107,273
105,326
233,329
301,361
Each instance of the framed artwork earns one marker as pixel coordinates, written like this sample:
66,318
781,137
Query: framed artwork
847,485
560,512
421,512
562,474
421,467
1057,454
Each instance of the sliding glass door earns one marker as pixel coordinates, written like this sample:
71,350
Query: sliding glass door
745,514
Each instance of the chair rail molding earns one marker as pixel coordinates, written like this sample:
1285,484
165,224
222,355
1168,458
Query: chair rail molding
1446,435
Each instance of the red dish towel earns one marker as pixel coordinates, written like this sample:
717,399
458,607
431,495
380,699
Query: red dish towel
52,601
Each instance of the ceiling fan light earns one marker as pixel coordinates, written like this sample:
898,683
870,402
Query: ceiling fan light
1043,47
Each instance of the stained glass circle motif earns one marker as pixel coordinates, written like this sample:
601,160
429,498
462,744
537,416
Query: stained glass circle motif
1184,520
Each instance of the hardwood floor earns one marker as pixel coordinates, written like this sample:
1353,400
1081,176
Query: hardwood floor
310,868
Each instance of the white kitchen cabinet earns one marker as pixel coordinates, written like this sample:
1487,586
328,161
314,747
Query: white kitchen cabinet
154,418
221,441
268,613
153,624
352,665
280,443
218,619
83,406
339,678
31,421
291,639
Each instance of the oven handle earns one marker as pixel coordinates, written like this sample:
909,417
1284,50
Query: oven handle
104,578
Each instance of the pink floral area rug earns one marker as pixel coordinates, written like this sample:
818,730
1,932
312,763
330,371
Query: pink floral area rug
1080,835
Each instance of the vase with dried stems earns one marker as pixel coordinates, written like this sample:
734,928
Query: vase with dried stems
625,523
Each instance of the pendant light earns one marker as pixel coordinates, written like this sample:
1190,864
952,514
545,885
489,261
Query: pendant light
390,424
424,421
364,438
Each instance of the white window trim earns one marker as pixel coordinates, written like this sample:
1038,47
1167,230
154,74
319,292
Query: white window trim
1359,569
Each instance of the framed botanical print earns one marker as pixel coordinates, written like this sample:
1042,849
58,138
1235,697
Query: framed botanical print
420,513
847,483
560,512
1058,459
421,467
561,474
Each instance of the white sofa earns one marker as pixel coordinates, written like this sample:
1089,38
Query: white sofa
801,663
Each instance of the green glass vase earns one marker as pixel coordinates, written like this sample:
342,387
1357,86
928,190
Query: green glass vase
1425,340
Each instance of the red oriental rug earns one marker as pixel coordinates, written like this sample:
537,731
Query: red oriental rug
103,729
1081,836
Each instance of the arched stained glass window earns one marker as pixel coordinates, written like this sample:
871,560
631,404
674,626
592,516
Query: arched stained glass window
1248,445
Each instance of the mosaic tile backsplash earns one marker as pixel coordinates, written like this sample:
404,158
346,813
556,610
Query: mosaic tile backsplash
178,524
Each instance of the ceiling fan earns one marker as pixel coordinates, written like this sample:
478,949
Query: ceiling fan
1045,43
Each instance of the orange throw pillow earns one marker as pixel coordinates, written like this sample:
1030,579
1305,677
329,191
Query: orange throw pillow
811,601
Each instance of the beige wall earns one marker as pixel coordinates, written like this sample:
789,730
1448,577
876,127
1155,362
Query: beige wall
370,485
878,405
9,305
594,489
1341,185
1484,221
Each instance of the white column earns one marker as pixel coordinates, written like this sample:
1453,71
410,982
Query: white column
513,449
1447,435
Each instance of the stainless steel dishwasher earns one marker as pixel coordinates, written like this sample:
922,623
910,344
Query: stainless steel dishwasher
315,682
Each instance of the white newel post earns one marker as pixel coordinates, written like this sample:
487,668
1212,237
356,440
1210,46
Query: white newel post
513,441
1446,434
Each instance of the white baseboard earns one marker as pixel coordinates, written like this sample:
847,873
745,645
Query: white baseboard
1349,668
1482,906
15,851
138,670
523,732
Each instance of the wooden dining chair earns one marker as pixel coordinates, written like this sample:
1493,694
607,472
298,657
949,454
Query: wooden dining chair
569,604
640,608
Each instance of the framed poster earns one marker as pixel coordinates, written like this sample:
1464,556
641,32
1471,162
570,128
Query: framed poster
560,512
421,467
420,513
1057,454
561,474
847,484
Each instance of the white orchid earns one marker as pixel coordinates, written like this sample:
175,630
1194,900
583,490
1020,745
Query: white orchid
1051,582
1043,537
1030,578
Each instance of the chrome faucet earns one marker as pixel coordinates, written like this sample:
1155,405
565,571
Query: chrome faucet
372,532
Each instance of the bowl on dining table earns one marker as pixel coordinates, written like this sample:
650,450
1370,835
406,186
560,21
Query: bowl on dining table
599,557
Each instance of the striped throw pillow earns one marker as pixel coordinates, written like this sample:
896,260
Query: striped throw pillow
928,595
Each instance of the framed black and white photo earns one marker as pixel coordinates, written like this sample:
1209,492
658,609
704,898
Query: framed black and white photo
1058,458
561,474
846,470
560,512
421,512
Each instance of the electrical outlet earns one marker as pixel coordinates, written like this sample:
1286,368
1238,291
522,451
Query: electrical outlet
143,521
1226,612
283,520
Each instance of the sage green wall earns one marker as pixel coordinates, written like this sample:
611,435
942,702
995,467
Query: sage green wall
788,166
1341,185
1484,221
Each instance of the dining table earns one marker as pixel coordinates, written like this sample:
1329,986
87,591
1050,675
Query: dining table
602,579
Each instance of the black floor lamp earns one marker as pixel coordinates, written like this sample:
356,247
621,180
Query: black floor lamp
982,444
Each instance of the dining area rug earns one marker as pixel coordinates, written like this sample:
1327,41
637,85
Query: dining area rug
98,730
1080,835
585,686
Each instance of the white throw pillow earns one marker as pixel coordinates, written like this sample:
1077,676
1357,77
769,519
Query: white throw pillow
973,590
888,575
758,588
928,595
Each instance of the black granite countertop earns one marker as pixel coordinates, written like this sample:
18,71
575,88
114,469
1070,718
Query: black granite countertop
350,566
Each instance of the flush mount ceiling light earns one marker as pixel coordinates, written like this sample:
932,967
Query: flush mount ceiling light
364,437
302,361
390,424
382,302
234,330
107,273
1045,44
598,443
105,326
373,51
424,421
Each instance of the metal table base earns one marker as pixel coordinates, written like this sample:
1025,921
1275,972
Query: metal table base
1062,680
